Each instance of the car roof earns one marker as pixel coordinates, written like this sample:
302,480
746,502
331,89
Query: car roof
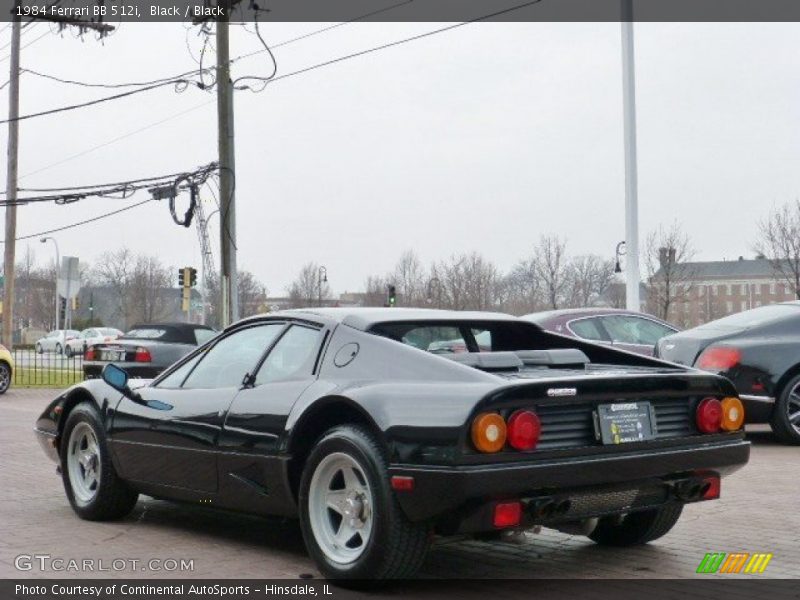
583,312
175,325
365,318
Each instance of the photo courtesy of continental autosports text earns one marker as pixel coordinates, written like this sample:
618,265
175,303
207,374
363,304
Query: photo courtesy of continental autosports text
420,298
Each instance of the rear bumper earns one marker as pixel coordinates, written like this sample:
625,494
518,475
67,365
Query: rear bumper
440,490
92,370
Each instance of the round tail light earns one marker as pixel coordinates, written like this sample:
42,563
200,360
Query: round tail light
732,414
709,415
489,432
89,353
524,428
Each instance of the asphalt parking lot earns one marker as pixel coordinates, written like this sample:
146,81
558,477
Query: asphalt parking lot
757,513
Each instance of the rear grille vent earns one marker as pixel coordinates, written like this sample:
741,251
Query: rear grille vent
572,425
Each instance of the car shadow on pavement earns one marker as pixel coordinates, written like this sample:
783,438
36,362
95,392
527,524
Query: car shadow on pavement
275,533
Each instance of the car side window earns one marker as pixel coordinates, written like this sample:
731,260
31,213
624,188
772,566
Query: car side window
588,329
175,379
226,362
292,357
635,330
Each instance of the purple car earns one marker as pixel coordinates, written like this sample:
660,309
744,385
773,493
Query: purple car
625,329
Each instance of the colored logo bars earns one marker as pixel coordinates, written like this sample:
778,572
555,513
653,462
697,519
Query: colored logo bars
737,562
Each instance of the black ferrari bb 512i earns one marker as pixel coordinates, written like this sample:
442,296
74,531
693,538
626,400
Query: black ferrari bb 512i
345,419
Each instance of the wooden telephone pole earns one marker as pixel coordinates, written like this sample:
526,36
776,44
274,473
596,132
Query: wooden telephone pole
12,166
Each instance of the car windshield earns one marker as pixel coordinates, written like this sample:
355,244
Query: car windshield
754,317
203,335
108,331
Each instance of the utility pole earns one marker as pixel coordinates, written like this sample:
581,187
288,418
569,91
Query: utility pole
229,285
631,169
11,185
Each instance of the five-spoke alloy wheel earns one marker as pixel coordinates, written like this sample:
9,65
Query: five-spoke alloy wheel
83,463
785,419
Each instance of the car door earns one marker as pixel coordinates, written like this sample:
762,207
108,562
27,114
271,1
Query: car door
168,436
250,466
589,328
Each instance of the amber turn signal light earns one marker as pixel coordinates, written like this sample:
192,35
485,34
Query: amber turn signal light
732,414
489,432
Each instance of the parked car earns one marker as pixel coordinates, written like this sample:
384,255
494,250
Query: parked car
56,340
759,351
6,369
626,329
147,349
87,337
332,415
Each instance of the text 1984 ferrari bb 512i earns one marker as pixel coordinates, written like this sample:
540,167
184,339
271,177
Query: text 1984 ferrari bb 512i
344,418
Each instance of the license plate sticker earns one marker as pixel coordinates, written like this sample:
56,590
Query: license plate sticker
625,422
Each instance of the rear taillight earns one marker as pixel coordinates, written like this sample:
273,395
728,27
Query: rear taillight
489,432
142,355
89,354
709,415
718,358
524,428
732,414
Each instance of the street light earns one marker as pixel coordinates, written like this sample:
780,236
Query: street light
322,277
58,262
620,252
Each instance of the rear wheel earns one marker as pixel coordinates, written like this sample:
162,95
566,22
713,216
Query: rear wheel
68,351
785,419
93,488
58,348
39,349
636,528
5,377
352,523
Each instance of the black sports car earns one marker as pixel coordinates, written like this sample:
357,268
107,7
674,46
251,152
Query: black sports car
759,351
343,418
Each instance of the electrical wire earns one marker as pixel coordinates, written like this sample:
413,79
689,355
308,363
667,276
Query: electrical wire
31,43
79,223
163,80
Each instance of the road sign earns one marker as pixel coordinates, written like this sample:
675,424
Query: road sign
69,277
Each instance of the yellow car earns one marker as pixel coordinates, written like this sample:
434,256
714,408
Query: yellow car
6,369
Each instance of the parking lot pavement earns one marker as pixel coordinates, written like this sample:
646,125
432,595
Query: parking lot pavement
757,513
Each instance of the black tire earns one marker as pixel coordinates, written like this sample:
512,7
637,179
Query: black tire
787,403
67,352
396,547
637,527
39,349
58,348
5,377
113,499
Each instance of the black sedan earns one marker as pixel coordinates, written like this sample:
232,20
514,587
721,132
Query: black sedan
759,351
343,418
147,349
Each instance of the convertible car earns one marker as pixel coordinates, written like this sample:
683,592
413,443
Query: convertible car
343,418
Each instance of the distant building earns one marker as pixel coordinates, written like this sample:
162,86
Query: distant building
715,289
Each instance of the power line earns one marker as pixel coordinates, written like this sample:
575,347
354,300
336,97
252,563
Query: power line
79,223
163,80
46,33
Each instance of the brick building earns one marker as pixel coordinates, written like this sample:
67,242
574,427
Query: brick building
714,289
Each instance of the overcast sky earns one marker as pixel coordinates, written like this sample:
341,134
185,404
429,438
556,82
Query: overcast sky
481,138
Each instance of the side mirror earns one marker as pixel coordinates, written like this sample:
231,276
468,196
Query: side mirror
117,378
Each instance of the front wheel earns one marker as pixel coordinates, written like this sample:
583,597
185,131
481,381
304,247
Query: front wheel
636,528
93,488
58,348
39,349
5,377
785,420
68,351
352,523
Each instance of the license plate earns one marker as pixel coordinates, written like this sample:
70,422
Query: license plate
112,355
625,422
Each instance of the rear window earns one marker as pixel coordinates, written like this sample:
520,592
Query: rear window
146,334
468,336
203,335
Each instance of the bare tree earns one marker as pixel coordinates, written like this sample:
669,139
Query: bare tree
115,270
468,282
523,289
307,289
252,295
670,272
149,291
588,279
409,279
780,243
551,268
375,289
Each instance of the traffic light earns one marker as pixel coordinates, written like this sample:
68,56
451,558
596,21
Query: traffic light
74,303
192,277
187,277
392,296
180,277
